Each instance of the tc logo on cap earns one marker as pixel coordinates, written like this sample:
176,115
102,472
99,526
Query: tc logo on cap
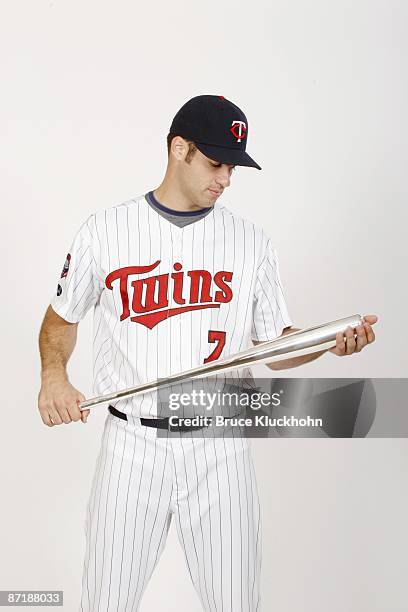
238,130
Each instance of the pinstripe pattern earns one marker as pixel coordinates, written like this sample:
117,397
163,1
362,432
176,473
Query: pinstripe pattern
142,481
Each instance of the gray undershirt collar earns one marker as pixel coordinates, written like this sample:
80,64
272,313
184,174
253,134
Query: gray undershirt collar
179,218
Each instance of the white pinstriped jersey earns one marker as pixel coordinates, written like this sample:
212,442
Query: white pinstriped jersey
169,298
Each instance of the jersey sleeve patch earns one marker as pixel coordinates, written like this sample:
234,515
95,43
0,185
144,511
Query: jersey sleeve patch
66,266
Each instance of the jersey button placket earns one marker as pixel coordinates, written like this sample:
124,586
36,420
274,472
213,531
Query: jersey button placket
178,259
176,320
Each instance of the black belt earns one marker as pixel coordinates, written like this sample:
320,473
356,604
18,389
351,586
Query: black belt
159,423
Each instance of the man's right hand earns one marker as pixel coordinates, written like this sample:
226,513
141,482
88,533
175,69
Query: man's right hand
58,402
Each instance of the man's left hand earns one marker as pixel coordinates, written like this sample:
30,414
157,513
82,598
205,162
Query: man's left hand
350,344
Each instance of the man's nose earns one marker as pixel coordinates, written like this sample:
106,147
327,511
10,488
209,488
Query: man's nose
224,176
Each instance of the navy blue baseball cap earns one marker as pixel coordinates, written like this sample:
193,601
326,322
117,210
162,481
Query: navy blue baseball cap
217,127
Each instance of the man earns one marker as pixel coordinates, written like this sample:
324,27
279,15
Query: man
176,280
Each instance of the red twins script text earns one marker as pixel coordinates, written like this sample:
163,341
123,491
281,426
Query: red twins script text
151,294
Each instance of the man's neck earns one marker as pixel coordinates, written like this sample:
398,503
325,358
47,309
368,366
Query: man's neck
175,200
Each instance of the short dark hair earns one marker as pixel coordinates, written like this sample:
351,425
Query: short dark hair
191,146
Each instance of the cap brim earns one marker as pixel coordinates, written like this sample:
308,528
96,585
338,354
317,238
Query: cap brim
227,156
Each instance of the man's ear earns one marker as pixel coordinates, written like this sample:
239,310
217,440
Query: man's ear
179,148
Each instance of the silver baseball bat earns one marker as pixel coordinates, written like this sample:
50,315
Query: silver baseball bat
293,344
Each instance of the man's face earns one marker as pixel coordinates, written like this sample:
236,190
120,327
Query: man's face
205,179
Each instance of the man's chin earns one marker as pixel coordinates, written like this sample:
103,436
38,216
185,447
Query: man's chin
207,202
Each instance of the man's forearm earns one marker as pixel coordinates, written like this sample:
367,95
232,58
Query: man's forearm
56,342
292,362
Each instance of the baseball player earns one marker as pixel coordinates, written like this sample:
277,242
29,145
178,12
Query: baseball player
175,280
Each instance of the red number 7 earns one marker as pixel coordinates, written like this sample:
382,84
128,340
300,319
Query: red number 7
215,336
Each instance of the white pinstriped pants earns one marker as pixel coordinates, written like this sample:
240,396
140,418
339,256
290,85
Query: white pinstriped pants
141,481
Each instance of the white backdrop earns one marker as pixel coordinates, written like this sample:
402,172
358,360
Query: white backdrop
89,92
